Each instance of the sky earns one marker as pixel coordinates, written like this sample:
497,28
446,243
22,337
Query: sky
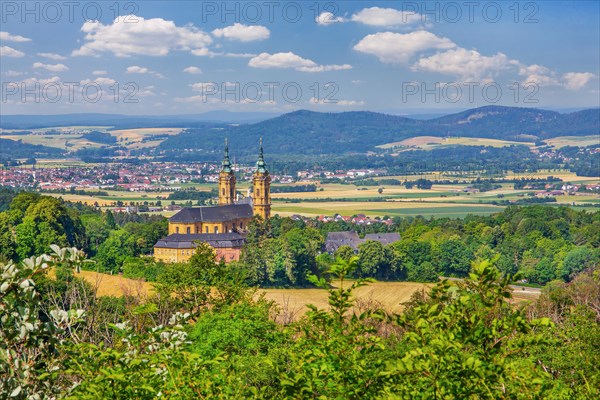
401,57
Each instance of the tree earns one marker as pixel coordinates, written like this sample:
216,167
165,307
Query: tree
47,221
109,220
466,341
28,345
577,260
115,250
345,252
374,260
336,355
453,257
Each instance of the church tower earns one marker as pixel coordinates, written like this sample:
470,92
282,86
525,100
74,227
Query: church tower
261,181
226,180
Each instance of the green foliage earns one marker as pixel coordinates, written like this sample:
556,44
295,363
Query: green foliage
281,261
465,342
142,268
463,339
239,329
337,354
28,344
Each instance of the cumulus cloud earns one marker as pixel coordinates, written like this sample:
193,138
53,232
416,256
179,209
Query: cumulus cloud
543,76
11,72
341,103
101,80
151,37
327,18
538,74
463,63
399,48
51,67
576,80
134,69
7,37
376,16
294,61
207,86
99,72
192,70
33,80
243,33
52,56
6,51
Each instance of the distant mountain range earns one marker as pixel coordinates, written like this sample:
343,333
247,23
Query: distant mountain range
308,132
120,121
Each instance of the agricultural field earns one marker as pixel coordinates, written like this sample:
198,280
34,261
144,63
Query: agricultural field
388,295
432,142
582,141
442,200
69,137
140,138
380,209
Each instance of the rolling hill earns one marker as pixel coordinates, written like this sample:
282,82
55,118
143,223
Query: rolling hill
308,132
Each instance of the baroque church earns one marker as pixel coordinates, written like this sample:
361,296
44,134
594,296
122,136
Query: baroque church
223,227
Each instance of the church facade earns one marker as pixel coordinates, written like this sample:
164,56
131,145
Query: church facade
223,226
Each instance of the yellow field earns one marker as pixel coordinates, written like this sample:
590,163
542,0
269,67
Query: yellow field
130,138
61,141
336,190
389,296
563,141
432,142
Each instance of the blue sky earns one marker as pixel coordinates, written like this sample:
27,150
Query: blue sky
183,57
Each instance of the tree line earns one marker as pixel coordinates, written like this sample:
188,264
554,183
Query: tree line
541,243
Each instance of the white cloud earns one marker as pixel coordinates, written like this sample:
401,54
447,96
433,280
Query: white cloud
243,33
576,80
6,51
7,37
463,63
52,56
147,91
134,69
398,48
33,80
101,80
99,72
149,37
538,74
204,86
10,72
192,70
291,60
376,16
51,67
341,103
327,18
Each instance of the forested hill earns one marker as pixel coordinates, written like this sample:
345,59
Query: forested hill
308,132
510,123
11,149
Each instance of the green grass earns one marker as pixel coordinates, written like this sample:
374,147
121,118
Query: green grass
452,212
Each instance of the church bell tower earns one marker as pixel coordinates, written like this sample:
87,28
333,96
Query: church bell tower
261,181
226,180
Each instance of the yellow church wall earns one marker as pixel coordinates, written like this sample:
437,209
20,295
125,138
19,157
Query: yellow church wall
166,255
209,227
